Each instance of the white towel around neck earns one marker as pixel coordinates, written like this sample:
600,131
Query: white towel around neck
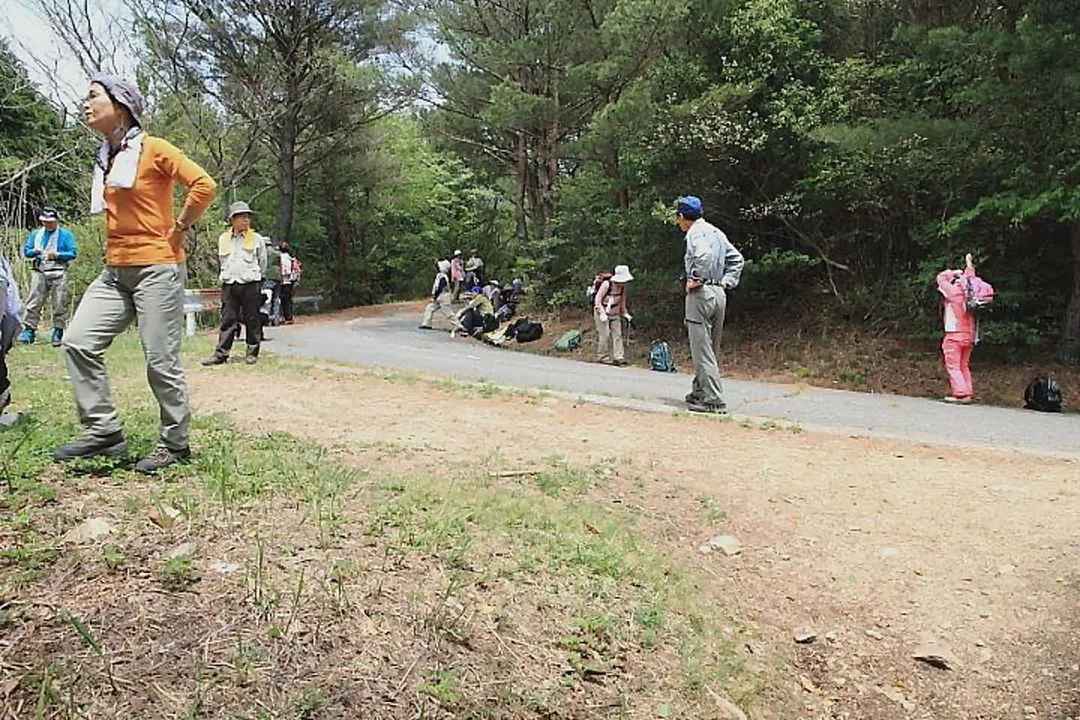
124,168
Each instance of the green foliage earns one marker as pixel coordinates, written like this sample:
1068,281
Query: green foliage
850,151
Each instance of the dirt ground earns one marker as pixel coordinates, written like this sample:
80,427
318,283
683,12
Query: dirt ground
878,547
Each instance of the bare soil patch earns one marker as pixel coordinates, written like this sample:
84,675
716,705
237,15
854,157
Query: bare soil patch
875,544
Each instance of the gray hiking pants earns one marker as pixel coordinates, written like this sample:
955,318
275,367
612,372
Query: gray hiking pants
442,305
154,295
52,286
705,308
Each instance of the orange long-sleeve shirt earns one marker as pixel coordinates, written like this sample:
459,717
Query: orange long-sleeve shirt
140,219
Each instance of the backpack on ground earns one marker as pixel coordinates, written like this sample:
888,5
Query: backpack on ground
660,357
570,340
1043,394
525,330
979,295
599,279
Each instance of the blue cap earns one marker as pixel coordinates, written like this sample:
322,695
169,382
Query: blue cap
688,205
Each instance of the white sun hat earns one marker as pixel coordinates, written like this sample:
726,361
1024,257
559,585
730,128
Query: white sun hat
622,274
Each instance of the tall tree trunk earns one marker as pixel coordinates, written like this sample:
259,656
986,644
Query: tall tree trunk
1069,349
286,177
521,231
611,169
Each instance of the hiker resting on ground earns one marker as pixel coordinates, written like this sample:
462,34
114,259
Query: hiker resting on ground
609,309
960,331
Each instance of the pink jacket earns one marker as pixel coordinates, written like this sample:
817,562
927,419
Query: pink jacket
457,272
959,323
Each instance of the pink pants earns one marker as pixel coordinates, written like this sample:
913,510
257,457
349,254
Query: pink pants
956,350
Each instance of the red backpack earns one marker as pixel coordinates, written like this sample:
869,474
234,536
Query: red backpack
599,279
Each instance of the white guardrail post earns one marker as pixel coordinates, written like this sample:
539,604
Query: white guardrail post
197,301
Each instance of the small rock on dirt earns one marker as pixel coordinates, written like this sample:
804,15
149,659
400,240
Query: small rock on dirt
875,634
888,552
728,543
184,549
1006,570
89,530
804,634
224,568
808,685
163,517
727,710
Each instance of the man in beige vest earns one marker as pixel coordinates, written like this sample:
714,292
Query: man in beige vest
242,252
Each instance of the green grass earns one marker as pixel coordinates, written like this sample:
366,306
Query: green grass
446,590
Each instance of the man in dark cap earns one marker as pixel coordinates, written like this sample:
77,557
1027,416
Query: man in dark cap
50,248
713,266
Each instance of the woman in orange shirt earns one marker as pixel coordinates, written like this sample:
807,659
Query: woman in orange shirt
143,279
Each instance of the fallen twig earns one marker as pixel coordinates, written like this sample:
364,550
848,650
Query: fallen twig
515,473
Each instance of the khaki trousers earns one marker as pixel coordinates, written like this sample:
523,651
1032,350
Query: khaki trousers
609,339
705,309
154,296
52,287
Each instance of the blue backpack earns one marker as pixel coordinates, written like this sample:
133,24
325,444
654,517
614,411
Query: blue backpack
660,357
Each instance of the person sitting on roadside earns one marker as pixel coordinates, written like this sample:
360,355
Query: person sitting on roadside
609,309
440,296
493,292
478,316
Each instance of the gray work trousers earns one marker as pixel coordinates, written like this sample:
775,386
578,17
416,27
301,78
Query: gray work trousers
442,305
705,308
51,286
154,295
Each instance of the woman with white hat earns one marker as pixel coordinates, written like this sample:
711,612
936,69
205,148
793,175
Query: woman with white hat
609,308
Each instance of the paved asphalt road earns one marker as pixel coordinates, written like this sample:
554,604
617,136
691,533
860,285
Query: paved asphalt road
392,340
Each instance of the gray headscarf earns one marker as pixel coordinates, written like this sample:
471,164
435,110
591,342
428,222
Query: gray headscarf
124,92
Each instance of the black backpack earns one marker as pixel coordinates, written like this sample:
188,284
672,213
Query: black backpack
1043,394
525,330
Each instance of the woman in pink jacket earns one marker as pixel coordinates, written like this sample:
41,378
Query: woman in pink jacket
961,332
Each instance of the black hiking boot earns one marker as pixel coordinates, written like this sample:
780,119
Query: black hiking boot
161,458
707,408
214,360
110,446
252,355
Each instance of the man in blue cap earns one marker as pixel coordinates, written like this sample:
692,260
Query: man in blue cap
713,266
50,248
